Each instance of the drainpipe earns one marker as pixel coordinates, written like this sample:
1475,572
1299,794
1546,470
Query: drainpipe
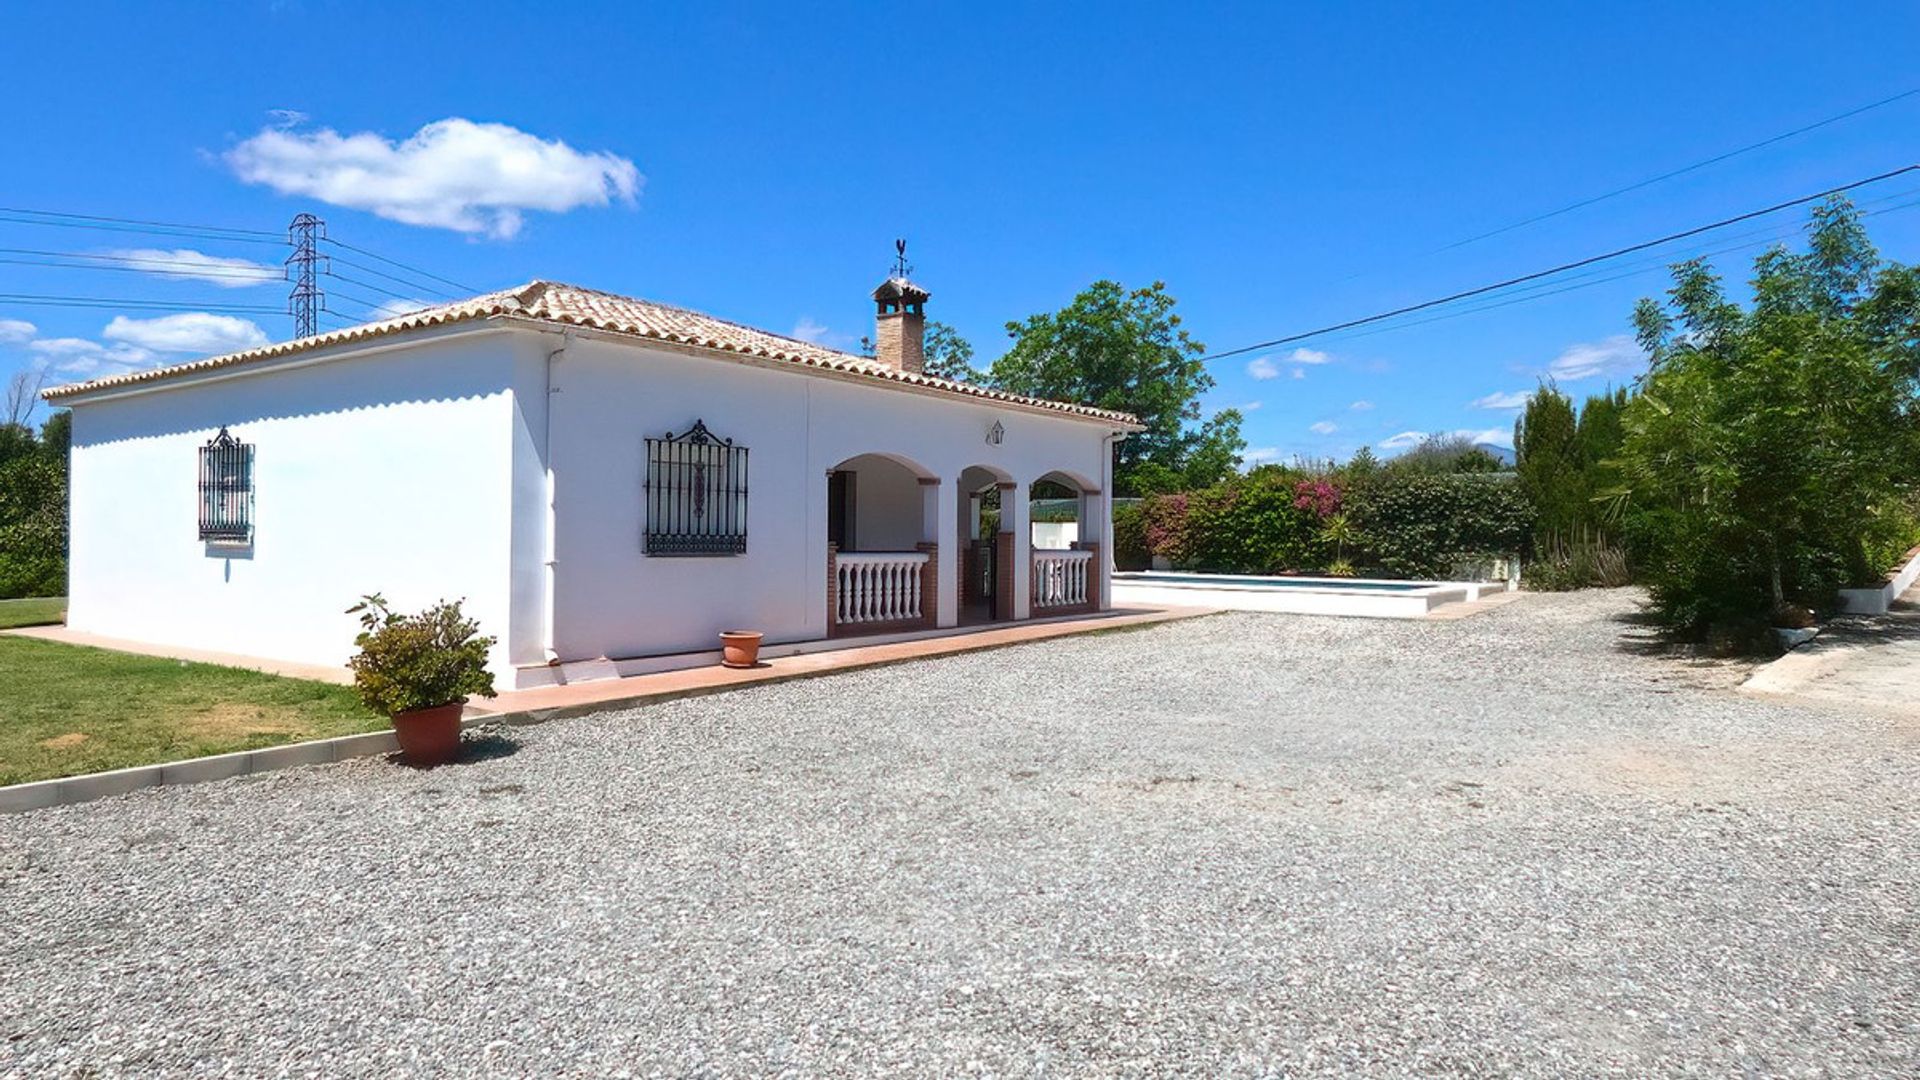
551,527
1106,520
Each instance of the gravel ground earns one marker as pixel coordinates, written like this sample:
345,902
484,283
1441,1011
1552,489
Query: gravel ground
1242,845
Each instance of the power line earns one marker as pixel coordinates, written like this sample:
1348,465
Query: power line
368,285
1543,291
1604,275
164,270
43,300
370,305
1563,267
1715,160
397,263
136,221
141,230
120,258
436,290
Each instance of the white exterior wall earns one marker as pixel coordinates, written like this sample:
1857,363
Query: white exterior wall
612,600
387,472
467,464
1055,535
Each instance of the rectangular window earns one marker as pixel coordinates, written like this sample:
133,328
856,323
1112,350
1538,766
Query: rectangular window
696,492
226,490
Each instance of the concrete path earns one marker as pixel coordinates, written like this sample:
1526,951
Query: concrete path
1868,662
599,695
339,676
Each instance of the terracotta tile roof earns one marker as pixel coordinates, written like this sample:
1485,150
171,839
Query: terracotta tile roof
570,305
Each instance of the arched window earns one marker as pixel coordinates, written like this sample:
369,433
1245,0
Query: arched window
696,492
226,490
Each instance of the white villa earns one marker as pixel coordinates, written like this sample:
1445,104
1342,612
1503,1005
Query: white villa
607,482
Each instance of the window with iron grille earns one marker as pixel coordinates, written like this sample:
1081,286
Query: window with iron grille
696,493
226,490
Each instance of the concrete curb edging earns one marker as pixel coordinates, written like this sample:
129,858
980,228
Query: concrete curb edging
1879,601
69,790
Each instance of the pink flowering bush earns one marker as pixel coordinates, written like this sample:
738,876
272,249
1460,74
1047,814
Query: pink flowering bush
1165,521
1320,497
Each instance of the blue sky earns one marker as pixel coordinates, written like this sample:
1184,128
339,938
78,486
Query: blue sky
1280,167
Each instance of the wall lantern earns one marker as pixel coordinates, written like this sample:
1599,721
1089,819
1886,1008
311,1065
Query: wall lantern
996,434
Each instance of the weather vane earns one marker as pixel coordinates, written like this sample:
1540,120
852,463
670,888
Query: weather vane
901,268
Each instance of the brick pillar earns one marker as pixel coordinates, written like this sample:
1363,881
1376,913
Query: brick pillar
833,588
1003,574
929,584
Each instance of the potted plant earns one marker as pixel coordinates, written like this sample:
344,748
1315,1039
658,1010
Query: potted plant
419,671
739,648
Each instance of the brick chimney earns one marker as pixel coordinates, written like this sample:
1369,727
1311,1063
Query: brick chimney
900,325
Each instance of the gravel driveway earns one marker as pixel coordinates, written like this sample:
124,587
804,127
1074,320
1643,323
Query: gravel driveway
1241,845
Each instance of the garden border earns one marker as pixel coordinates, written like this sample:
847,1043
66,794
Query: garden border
1878,601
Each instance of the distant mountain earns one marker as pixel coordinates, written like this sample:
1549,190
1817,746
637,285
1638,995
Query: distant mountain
1506,456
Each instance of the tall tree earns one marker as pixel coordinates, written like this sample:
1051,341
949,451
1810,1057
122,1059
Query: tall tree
1119,349
1544,458
1765,444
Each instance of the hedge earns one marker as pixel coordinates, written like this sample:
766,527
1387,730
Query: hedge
1396,524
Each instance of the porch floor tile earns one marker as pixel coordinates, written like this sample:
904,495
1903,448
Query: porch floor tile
576,699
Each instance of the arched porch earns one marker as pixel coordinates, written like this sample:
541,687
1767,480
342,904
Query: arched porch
882,545
1067,573
986,545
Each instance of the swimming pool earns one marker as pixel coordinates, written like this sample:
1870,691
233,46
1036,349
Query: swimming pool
1367,597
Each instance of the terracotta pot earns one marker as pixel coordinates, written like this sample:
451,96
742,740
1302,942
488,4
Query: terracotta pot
429,737
740,648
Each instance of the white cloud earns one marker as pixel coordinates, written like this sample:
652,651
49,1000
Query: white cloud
811,329
1324,427
1263,368
1260,455
451,174
1361,406
83,358
1299,373
1617,355
1402,440
1490,437
190,332
393,309
1251,406
15,331
185,263
1309,356
1512,400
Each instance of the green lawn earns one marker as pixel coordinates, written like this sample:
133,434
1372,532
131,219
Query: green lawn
35,611
65,710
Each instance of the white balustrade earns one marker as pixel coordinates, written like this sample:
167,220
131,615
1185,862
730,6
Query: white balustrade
877,586
1060,578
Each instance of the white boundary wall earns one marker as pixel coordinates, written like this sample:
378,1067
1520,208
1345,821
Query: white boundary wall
1300,596
1878,601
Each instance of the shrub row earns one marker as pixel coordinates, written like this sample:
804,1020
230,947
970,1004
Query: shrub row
1398,524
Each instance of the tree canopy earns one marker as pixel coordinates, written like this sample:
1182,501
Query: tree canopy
1770,446
1115,348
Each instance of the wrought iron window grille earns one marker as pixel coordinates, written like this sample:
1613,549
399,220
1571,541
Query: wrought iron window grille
696,494
226,490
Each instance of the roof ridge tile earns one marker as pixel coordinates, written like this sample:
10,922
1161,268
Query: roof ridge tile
550,301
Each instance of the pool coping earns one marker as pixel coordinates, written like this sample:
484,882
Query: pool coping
1303,595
